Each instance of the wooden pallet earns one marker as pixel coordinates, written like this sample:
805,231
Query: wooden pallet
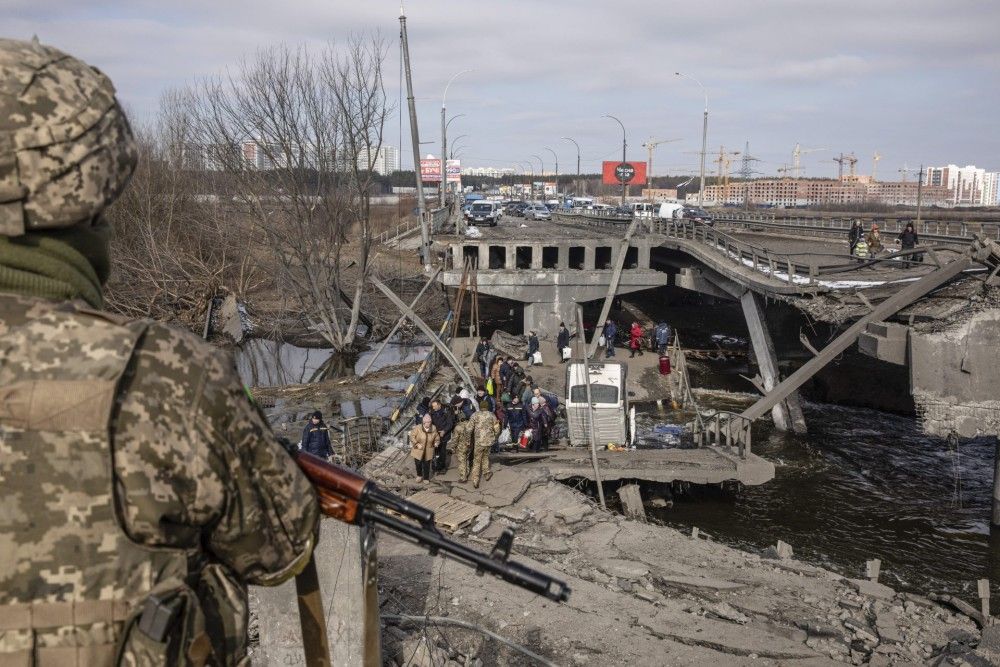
449,513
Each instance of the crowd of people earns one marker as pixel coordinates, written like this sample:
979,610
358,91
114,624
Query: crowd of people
508,409
866,245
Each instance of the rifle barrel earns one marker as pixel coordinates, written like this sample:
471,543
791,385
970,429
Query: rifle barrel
511,572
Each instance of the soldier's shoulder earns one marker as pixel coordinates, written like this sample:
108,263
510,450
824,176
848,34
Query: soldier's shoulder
174,348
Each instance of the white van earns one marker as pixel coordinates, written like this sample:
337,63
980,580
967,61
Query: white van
670,210
643,209
612,416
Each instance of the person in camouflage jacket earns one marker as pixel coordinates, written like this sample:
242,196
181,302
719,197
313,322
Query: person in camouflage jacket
142,490
485,428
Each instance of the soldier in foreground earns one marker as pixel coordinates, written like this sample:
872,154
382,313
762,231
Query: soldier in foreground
142,491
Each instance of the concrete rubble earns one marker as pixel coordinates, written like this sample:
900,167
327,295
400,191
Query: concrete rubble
645,594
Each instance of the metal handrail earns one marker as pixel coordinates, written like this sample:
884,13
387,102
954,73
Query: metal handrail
931,229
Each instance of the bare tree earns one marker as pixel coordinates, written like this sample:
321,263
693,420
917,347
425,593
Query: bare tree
294,138
173,247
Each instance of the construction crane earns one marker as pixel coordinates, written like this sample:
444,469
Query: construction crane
724,161
651,146
875,158
851,163
797,154
906,171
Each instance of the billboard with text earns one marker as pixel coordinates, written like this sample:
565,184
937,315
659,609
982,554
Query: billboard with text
629,173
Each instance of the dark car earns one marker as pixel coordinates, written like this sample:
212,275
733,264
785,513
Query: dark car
698,215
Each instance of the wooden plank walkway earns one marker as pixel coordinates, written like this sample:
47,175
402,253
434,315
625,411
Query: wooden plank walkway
449,513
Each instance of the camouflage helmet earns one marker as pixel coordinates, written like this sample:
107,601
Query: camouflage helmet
66,149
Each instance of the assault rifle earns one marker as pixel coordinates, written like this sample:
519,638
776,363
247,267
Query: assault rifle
351,498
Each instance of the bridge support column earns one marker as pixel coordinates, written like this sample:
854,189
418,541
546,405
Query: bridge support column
563,262
543,318
510,257
643,256
484,256
589,258
787,414
536,257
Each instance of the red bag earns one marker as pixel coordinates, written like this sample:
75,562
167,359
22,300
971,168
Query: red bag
664,365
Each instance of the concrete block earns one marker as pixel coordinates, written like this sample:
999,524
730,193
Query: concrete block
885,341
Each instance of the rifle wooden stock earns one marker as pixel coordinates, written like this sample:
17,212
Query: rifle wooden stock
340,490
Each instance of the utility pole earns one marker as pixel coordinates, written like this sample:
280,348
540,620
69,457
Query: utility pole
704,138
920,192
425,237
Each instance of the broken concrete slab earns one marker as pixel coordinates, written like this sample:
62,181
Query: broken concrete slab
632,502
624,569
872,589
707,583
505,488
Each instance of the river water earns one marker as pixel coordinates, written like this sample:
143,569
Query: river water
862,484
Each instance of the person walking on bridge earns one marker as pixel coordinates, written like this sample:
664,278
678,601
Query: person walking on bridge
908,240
610,332
874,240
562,342
635,339
532,347
856,233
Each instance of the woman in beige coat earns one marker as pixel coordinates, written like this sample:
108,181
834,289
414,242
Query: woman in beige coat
424,438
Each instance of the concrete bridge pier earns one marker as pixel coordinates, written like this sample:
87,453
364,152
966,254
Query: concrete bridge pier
543,318
787,414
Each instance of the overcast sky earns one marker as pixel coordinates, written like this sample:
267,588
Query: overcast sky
915,80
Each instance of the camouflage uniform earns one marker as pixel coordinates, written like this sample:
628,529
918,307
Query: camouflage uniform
131,461
462,437
486,428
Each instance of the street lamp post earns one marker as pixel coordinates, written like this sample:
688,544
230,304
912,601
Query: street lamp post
704,139
556,158
576,186
624,146
541,174
455,141
444,138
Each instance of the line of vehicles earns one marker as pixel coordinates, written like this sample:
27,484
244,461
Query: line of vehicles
478,210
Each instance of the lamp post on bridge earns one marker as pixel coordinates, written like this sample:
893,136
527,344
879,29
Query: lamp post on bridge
541,174
704,138
556,157
444,138
576,186
624,146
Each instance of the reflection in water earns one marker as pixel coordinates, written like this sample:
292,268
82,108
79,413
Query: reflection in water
262,362
862,484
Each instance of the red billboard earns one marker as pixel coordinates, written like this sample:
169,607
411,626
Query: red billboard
629,173
430,170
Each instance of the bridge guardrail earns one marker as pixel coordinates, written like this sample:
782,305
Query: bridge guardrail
785,267
931,230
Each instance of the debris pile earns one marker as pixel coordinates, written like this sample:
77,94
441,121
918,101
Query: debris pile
642,590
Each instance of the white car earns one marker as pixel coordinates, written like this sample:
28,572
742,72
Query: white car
537,212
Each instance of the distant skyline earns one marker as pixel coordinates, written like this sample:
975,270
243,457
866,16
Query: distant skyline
916,81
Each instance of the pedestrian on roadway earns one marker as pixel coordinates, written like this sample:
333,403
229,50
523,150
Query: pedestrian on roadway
424,440
610,332
538,421
635,339
562,342
517,420
662,333
480,355
316,437
532,347
461,436
874,240
485,428
908,240
444,421
484,401
855,234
